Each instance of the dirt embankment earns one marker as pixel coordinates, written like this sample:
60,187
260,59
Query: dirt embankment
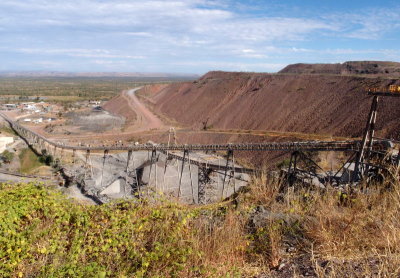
365,68
324,104
149,91
120,106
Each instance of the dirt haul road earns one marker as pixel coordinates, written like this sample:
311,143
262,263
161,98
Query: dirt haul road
146,120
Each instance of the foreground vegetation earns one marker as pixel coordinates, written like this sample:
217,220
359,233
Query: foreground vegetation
262,231
67,89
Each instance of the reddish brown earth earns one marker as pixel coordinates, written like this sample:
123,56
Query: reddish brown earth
145,119
258,107
308,103
139,117
375,68
120,106
151,89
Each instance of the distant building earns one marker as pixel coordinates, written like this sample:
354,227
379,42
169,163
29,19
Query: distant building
30,106
10,106
38,121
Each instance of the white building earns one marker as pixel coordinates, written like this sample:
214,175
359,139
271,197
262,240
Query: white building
10,106
38,121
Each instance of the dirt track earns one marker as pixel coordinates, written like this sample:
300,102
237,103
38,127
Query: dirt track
140,119
145,119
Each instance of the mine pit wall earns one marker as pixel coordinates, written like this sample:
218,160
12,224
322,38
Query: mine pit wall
198,185
323,104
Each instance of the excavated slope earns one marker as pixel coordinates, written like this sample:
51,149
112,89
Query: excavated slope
324,104
366,68
118,105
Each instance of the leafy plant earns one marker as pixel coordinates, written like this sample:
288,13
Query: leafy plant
44,234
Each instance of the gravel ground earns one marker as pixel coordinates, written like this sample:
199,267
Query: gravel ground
98,121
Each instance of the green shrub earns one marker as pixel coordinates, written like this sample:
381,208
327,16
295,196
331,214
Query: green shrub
7,156
43,234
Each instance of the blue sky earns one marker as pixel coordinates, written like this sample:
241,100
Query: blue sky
193,36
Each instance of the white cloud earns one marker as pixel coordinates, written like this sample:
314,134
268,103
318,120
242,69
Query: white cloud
250,53
236,66
168,18
137,34
156,33
108,62
47,64
369,24
87,53
349,51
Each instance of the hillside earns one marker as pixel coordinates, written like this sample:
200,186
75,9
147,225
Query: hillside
324,104
377,68
118,105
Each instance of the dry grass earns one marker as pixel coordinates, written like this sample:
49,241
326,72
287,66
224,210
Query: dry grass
353,234
29,161
264,232
222,241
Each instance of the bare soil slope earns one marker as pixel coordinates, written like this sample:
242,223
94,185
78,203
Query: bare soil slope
119,105
375,68
310,103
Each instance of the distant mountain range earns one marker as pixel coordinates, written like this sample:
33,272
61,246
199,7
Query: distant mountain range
96,74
